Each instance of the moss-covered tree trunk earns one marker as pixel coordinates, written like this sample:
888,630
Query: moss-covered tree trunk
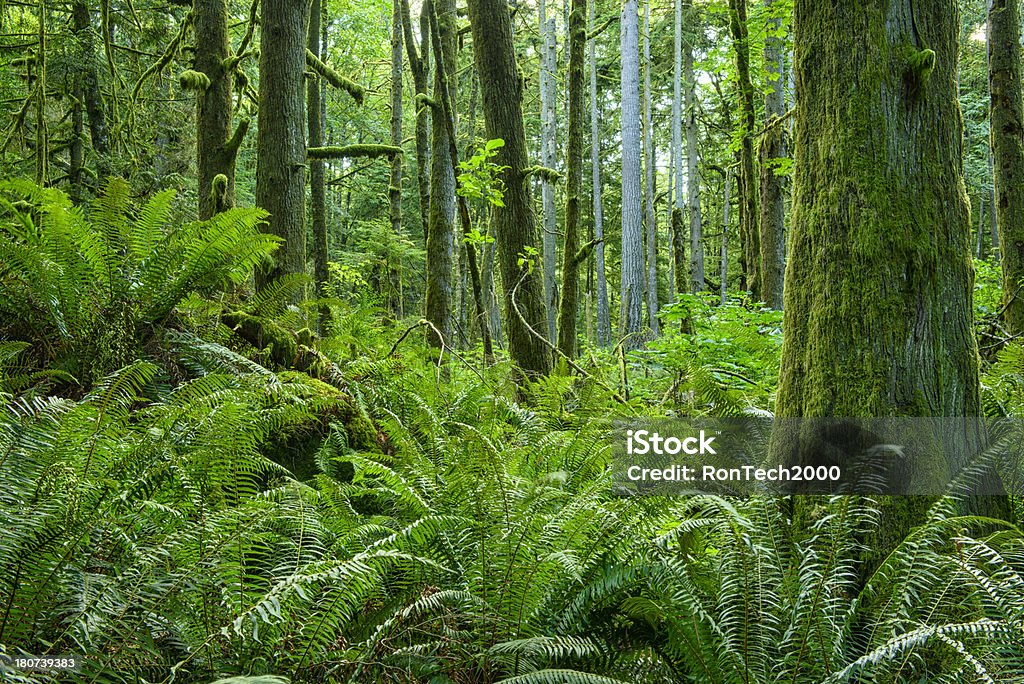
212,80
1008,152
395,186
281,143
90,84
878,318
676,172
650,162
569,304
441,220
419,65
773,247
750,255
317,180
501,91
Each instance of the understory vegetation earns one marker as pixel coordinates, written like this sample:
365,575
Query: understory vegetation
196,486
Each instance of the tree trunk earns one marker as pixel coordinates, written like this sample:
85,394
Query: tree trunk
395,186
548,132
573,182
420,68
90,85
216,144
604,332
502,93
650,218
724,265
1008,152
632,285
281,144
693,176
317,188
441,221
678,239
773,146
747,185
878,317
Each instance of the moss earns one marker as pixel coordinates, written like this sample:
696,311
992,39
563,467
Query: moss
334,78
350,151
550,175
918,67
264,334
194,80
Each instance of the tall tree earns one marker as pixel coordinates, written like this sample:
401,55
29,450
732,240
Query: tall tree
501,90
281,142
773,146
569,303
395,186
419,65
632,284
213,80
548,133
1007,111
747,185
89,83
678,239
878,318
650,163
693,172
317,187
604,328
441,221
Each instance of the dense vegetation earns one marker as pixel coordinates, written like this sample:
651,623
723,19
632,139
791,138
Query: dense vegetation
388,460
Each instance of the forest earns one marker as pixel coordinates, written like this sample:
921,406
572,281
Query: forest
321,323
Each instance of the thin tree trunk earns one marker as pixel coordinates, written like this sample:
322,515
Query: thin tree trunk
573,182
395,186
1008,152
281,144
650,218
604,332
317,189
747,186
420,68
773,146
632,285
548,132
693,175
502,93
678,239
981,227
724,266
441,221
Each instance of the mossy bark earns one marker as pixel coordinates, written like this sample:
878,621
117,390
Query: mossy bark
773,146
878,318
216,144
317,175
569,304
650,162
750,256
420,68
441,219
501,91
281,143
604,332
1008,152
395,186
548,177
693,178
90,85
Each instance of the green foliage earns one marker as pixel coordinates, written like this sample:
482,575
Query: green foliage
480,178
94,286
